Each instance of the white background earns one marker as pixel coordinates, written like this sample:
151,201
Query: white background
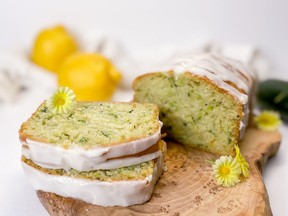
143,26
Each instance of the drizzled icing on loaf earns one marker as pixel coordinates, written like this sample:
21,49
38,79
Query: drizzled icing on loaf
231,75
228,74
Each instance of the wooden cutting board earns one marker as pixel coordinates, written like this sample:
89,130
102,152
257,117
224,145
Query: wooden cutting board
188,186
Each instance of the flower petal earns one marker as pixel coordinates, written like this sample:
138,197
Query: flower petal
62,101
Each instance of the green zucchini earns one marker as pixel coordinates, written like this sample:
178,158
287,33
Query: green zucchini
272,94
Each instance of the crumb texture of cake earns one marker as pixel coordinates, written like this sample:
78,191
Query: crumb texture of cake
204,101
91,125
134,172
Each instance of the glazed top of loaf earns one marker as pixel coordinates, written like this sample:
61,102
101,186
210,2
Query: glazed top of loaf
231,75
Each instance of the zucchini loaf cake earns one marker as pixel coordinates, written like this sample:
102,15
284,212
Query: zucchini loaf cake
204,101
102,153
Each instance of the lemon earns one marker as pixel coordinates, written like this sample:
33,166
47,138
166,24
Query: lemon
52,46
91,76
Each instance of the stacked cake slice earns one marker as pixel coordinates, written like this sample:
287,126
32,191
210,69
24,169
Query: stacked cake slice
103,153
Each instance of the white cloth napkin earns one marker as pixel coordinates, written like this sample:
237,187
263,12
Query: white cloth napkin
19,74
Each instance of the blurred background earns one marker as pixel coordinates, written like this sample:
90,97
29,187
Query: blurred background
146,25
137,37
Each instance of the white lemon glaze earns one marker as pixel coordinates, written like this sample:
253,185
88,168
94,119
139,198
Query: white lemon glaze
219,70
108,164
115,193
55,157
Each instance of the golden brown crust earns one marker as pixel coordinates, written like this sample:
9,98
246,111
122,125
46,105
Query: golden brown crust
22,135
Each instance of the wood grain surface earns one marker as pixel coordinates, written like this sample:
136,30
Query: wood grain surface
188,186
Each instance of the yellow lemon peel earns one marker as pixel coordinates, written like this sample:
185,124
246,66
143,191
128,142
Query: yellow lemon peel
92,76
52,46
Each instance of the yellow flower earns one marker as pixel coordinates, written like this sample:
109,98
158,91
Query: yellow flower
244,166
227,171
62,101
268,121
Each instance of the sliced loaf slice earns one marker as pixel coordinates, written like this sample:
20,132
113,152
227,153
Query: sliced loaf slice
204,101
92,125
